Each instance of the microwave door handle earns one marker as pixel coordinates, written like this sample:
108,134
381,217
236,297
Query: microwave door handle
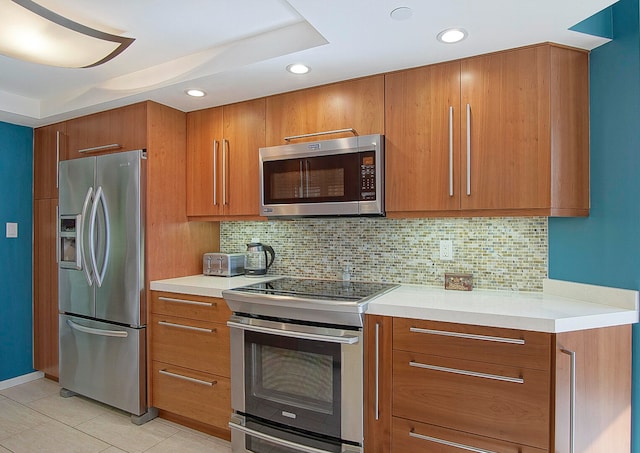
347,339
275,440
301,181
306,176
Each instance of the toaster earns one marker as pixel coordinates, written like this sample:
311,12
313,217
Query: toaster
223,264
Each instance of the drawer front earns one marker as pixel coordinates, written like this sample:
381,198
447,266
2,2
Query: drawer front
410,436
197,345
199,396
462,341
211,309
498,401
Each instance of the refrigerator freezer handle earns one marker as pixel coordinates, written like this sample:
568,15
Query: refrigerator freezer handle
102,332
99,199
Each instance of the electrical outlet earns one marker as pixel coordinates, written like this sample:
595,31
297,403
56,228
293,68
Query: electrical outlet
446,250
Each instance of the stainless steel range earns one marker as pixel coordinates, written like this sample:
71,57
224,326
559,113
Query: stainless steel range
296,365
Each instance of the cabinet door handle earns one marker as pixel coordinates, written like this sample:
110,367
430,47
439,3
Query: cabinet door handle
451,151
57,159
468,149
495,377
100,148
188,302
449,443
57,234
225,163
187,378
215,172
572,398
182,326
377,406
469,336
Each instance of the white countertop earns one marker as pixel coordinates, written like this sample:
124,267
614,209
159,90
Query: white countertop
205,285
561,307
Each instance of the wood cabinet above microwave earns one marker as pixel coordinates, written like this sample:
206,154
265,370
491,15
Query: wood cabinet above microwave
499,134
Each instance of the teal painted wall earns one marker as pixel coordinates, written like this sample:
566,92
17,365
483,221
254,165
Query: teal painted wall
16,182
604,249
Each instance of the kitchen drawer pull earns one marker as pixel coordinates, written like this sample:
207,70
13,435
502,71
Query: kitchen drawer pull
469,336
189,302
100,148
187,378
182,326
495,377
572,397
449,443
275,440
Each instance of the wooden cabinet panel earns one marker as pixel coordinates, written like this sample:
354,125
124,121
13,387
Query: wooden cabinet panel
222,159
377,384
474,397
45,287
121,129
513,347
602,393
411,436
202,308
506,96
422,139
357,104
49,148
189,343
192,394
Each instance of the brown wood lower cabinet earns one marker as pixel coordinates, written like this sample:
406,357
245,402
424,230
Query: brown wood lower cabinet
446,387
189,352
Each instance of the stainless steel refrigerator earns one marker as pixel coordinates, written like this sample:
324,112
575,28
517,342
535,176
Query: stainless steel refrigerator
101,281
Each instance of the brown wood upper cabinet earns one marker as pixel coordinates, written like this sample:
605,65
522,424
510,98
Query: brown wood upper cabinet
222,159
49,148
504,133
354,104
121,129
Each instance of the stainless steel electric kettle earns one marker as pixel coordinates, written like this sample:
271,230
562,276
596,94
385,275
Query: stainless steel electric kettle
258,258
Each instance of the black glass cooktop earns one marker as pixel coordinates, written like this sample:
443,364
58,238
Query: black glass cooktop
330,290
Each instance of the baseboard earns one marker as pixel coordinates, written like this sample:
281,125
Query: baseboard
21,380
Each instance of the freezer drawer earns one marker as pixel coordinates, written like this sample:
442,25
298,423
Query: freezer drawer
104,362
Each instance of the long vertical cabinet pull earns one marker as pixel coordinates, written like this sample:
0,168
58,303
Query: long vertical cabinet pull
377,405
468,149
215,172
572,398
225,170
451,151
57,159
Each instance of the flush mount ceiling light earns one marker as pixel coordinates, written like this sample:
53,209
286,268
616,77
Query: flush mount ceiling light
298,68
401,13
196,93
32,33
452,35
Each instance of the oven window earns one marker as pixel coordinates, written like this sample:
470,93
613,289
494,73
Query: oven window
293,381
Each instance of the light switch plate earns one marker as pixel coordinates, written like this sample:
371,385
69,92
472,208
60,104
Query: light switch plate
12,230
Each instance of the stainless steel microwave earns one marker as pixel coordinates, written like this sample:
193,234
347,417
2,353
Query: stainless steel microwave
341,177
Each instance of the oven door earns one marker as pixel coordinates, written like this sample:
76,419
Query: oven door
303,377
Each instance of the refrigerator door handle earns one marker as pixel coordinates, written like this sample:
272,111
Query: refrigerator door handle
101,332
99,199
80,237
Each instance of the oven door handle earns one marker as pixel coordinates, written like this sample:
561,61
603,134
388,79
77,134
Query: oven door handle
275,440
347,339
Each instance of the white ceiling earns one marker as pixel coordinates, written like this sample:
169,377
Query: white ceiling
238,49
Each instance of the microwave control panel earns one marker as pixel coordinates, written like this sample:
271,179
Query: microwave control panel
367,176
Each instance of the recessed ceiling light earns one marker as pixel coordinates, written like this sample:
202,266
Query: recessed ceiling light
452,35
298,68
196,93
401,13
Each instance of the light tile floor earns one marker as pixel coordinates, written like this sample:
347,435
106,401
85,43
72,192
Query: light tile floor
34,418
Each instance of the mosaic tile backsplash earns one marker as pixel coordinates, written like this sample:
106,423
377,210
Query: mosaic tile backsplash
502,253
